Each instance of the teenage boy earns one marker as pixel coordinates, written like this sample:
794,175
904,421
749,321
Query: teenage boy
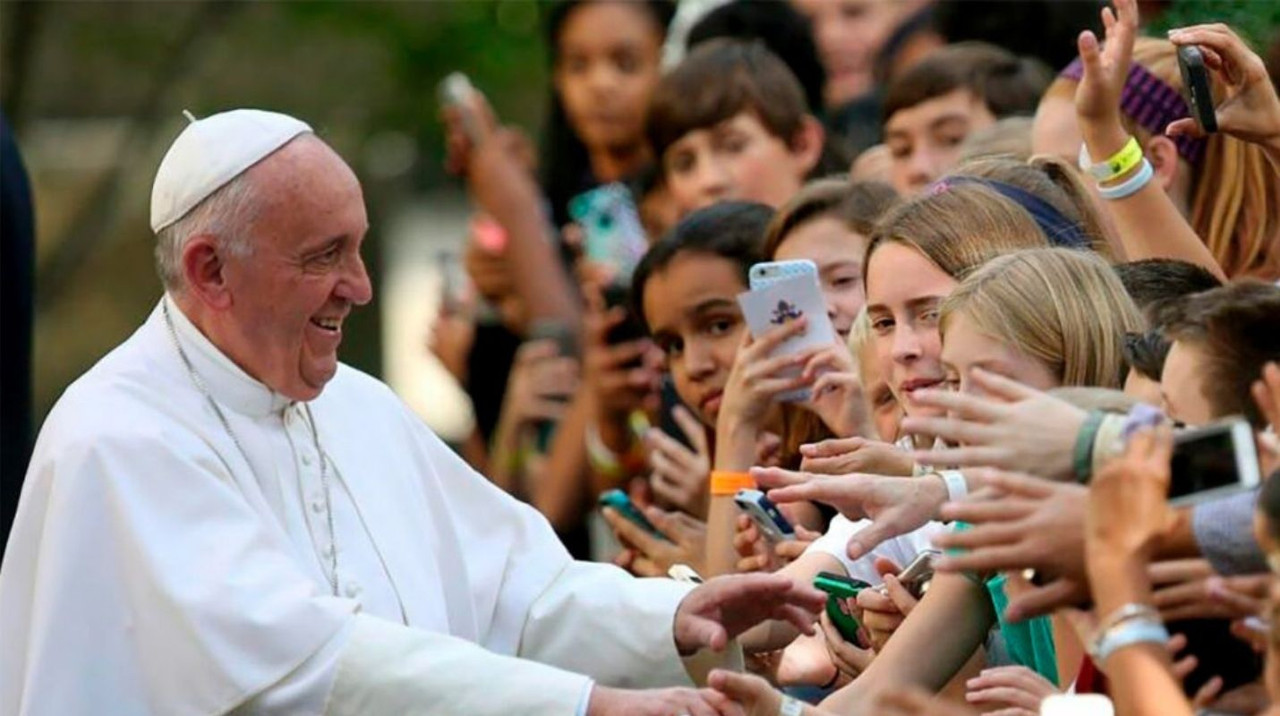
931,108
730,122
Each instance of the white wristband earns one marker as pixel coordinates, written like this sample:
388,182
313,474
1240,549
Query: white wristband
957,486
1129,186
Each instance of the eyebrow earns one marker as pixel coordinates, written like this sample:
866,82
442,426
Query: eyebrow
949,119
924,301
709,305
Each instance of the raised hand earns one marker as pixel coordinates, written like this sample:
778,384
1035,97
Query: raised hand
645,555
1106,68
680,474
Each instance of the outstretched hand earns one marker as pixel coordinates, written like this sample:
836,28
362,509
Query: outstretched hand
724,607
895,505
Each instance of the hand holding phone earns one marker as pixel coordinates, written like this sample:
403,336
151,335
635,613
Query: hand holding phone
839,588
1196,87
783,292
1213,460
917,575
768,519
619,502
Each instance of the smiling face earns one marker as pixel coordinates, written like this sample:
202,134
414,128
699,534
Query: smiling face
904,291
838,253
737,159
605,72
289,296
924,140
692,310
964,348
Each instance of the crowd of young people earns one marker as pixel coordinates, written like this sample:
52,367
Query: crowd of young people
1036,283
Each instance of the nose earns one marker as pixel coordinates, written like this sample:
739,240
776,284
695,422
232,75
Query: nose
699,364
355,285
922,168
711,181
906,344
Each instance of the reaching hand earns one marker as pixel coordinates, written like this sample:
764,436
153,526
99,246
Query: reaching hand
1251,110
1021,522
757,554
648,556
680,475
541,383
841,456
895,505
1190,589
849,659
1015,690
1009,426
605,701
726,606
751,695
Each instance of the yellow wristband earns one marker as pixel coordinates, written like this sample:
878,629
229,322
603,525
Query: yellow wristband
728,483
1117,165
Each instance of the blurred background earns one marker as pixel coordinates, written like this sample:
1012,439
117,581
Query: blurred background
94,92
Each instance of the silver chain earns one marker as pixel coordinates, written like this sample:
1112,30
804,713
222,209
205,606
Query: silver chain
315,435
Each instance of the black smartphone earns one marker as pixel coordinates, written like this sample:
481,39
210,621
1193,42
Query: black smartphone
1196,87
617,295
667,420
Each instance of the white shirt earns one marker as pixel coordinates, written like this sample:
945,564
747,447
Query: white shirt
901,549
155,567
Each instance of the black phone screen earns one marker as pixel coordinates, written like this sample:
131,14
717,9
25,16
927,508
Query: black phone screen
1203,462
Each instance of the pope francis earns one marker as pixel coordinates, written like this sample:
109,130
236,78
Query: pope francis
219,516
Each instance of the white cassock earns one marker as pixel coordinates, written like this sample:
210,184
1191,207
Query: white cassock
156,567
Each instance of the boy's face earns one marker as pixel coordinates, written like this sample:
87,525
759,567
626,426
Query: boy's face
924,140
692,310
737,159
1182,384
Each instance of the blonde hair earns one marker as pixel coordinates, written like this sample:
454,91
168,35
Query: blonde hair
958,227
1063,307
1235,196
1052,180
1108,400
1009,137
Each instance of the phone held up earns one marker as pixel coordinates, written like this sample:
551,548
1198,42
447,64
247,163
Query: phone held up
1216,459
839,588
618,501
1196,87
768,519
785,291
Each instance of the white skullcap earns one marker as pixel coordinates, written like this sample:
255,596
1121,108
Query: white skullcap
211,152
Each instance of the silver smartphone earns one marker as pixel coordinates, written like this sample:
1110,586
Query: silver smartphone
917,575
769,520
1214,460
455,91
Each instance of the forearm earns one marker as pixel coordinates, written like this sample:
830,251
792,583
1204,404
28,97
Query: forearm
1142,682
561,487
1148,223
511,197
948,625
773,635
721,557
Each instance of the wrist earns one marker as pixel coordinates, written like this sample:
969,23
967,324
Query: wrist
1103,139
933,487
735,444
1117,578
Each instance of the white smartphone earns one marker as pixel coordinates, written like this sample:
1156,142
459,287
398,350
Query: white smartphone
784,291
767,273
455,91
771,522
1213,460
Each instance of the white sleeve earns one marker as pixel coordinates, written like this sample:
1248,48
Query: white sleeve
598,620
306,689
386,668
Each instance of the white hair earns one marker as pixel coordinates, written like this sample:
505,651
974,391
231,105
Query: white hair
225,214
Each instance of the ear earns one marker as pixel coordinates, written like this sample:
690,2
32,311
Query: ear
806,145
203,272
1163,155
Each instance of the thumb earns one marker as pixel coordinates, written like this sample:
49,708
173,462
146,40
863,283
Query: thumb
1185,127
868,538
885,566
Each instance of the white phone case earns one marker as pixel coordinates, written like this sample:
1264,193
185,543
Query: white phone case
785,300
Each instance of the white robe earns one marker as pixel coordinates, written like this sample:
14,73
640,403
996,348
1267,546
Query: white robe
154,567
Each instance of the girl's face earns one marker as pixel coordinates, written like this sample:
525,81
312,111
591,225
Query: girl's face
886,414
904,290
606,69
692,310
964,348
838,253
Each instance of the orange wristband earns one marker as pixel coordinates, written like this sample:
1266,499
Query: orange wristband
728,483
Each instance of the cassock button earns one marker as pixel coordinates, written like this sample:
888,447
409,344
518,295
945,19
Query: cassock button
306,459
317,505
352,590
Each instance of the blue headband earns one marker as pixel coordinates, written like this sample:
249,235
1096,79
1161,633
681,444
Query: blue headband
1060,230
